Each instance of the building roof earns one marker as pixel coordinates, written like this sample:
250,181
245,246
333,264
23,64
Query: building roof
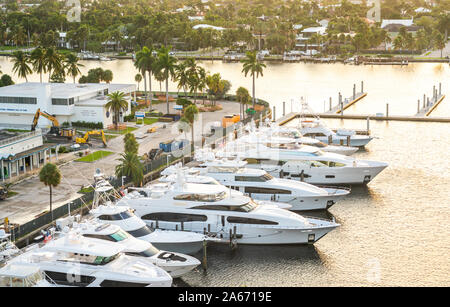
319,30
403,22
205,26
58,90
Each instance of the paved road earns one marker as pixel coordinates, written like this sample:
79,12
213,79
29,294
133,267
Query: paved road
437,53
33,197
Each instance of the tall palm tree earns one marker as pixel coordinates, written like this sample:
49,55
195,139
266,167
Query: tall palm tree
53,61
181,75
189,116
21,67
116,103
51,177
243,97
145,62
252,65
37,58
131,167
166,64
138,79
72,65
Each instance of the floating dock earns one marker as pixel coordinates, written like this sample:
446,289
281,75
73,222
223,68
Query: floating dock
342,105
429,105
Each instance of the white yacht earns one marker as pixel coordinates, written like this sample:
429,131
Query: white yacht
174,241
306,163
213,209
76,261
173,263
290,136
7,248
316,129
260,185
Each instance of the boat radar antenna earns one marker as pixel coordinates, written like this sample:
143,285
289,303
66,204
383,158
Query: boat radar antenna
305,111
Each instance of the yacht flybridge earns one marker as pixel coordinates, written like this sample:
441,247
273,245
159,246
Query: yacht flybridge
260,185
81,262
174,263
212,209
306,163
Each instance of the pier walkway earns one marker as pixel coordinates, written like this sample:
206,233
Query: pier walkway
344,104
429,105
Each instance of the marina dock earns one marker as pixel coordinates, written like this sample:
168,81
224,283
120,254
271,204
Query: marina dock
342,105
427,106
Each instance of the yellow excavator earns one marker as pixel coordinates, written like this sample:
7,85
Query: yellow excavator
56,130
85,139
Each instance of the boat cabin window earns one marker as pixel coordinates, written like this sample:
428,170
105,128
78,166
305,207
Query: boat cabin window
150,252
250,206
241,220
175,217
262,178
88,259
140,232
116,217
314,134
118,236
121,284
65,279
202,197
259,190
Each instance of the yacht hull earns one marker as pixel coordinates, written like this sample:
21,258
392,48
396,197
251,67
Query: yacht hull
177,271
354,142
189,248
334,176
342,150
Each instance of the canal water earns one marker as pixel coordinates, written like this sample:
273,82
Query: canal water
395,231
399,86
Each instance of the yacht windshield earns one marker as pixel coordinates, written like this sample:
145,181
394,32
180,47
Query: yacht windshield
149,252
248,207
104,260
119,235
262,178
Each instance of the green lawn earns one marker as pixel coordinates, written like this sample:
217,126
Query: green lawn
147,121
95,156
129,129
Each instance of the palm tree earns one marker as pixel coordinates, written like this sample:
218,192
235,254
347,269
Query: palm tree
38,60
189,116
166,64
72,65
131,145
21,67
439,41
53,61
243,97
181,75
116,103
159,76
145,62
252,65
51,177
138,79
131,167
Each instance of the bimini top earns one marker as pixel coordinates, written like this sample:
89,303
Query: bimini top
18,271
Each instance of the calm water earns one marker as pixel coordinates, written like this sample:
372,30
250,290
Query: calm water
395,231
398,86
397,227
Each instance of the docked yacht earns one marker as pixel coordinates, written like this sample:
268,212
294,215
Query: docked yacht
7,248
317,130
290,136
306,163
213,209
81,262
20,276
260,185
173,263
175,241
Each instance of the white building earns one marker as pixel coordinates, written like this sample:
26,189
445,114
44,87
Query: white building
68,102
402,22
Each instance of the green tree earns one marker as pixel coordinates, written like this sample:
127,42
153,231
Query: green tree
71,63
439,41
252,65
116,103
138,79
53,61
243,97
182,77
107,76
37,58
6,80
145,63
51,177
189,116
166,64
21,64
131,167
131,145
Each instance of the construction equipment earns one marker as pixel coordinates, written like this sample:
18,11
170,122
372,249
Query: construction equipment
151,130
85,139
55,129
